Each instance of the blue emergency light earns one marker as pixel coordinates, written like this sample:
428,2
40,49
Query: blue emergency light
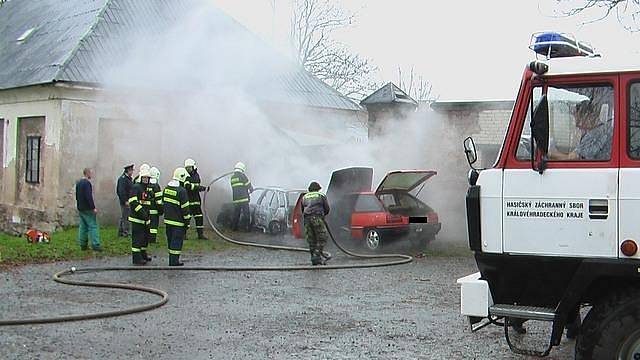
558,45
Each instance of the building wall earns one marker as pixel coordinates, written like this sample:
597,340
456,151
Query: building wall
24,204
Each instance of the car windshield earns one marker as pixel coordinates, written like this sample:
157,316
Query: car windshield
255,196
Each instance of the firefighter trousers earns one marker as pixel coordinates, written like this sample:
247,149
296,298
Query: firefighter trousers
238,210
139,242
196,214
175,238
153,228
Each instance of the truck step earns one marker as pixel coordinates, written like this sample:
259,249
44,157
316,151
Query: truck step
523,312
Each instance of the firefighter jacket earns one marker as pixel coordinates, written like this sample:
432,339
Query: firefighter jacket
241,187
156,205
176,205
123,188
315,203
140,203
192,184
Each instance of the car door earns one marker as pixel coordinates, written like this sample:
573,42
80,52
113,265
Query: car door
262,208
570,208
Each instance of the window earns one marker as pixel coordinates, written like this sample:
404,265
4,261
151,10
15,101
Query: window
581,123
33,159
388,200
368,203
524,147
634,121
281,199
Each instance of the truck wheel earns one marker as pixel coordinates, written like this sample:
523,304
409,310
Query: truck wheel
373,240
611,329
275,228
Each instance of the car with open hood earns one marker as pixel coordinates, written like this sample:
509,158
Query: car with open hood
373,218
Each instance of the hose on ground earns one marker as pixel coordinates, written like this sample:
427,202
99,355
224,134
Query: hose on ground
62,276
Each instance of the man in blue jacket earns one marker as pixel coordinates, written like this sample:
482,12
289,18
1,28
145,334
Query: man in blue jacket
88,228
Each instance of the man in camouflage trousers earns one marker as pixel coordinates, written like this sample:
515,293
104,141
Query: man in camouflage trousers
315,207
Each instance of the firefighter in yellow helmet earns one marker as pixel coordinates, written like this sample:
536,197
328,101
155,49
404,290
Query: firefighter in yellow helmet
156,208
140,204
241,188
176,214
192,184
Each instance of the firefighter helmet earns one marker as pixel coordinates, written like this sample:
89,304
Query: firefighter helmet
241,167
190,163
145,171
180,174
155,174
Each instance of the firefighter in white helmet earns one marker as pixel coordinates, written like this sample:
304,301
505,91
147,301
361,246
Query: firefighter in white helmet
176,215
192,184
140,205
241,188
156,209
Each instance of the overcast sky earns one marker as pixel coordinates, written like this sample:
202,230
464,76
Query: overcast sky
466,49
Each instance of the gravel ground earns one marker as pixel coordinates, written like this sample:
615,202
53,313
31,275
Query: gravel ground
402,312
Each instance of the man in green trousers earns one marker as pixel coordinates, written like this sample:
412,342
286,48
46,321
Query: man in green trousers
87,210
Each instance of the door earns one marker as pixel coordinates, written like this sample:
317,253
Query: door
630,161
571,208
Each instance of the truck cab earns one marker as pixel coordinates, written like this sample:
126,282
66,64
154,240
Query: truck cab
554,224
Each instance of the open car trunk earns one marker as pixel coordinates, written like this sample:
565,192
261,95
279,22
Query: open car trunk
395,192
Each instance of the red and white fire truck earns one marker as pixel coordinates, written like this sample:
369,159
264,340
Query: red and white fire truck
555,223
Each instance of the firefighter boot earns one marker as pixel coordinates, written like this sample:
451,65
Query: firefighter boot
316,258
138,259
201,235
145,256
174,260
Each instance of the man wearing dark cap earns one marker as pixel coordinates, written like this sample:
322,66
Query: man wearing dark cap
123,190
315,207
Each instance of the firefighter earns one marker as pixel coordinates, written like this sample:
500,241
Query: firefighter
176,214
315,207
156,206
140,205
123,190
241,188
192,184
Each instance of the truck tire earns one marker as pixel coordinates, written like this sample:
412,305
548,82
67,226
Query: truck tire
611,329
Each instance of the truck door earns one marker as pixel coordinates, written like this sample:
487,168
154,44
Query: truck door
571,208
630,160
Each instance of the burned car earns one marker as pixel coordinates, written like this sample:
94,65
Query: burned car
373,218
270,208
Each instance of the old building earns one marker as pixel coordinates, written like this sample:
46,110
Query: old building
57,117
484,120
387,106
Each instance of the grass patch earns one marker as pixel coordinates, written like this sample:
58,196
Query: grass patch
64,246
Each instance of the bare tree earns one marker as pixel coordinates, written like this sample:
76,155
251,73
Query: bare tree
312,25
626,11
414,85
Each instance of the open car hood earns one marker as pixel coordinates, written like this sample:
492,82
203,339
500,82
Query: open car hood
349,180
404,180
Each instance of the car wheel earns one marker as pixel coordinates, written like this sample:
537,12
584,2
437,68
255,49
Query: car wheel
275,228
373,240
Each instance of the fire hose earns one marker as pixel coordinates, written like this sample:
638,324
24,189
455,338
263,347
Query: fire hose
62,276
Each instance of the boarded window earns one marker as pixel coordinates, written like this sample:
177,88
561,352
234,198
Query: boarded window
33,159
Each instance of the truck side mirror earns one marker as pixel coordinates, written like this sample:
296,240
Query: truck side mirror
540,134
470,151
540,125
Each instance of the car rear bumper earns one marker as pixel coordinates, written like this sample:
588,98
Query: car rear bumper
413,230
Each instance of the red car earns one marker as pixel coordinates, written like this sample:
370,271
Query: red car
373,219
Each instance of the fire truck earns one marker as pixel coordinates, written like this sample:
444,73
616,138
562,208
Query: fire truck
555,223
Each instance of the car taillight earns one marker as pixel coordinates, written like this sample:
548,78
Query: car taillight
629,247
394,219
432,217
